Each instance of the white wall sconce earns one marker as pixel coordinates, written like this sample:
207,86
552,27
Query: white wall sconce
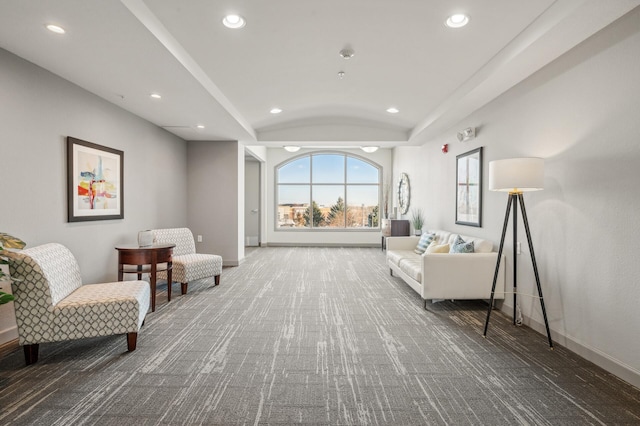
292,148
467,134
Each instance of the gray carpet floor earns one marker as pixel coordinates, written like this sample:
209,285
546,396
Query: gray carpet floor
319,336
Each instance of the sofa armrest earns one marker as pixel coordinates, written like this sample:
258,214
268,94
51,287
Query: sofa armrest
461,275
402,243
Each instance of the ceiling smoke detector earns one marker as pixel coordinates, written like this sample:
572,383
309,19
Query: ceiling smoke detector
347,53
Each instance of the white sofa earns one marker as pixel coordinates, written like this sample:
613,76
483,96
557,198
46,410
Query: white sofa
437,276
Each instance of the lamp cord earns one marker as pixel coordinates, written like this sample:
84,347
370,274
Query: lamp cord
518,315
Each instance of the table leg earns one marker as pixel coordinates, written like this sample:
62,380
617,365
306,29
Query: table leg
120,273
169,281
153,283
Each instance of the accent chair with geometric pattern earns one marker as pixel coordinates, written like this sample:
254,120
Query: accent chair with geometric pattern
187,264
52,305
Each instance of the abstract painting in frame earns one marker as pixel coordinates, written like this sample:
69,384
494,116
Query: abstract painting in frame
469,188
94,181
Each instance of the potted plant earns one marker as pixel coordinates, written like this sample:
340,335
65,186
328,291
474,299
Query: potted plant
6,242
417,220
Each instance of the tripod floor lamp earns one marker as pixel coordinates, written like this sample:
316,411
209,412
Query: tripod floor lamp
515,176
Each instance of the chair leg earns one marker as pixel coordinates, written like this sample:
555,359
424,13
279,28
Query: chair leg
217,277
31,353
183,287
132,339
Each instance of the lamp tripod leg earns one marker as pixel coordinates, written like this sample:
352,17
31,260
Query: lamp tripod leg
535,269
495,274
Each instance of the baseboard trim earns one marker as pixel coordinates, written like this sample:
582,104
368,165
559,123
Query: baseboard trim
9,345
350,245
602,360
8,334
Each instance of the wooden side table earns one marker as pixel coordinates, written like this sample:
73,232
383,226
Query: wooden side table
146,260
399,228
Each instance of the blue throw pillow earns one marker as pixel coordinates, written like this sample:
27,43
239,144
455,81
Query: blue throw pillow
424,242
460,246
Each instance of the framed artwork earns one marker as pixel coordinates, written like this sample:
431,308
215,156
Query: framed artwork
469,188
94,181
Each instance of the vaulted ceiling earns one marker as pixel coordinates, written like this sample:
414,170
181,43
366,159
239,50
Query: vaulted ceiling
287,56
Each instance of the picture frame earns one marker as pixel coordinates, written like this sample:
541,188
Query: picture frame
95,181
469,188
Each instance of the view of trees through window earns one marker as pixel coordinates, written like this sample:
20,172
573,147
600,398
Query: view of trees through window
328,191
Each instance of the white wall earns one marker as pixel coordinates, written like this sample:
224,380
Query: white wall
580,113
38,110
215,203
276,156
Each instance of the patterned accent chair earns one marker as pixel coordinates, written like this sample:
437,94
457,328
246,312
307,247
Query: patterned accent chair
187,264
52,305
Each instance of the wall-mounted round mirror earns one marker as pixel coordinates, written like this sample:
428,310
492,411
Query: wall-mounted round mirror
404,193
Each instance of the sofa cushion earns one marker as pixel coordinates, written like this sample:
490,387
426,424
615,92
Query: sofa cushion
424,242
461,246
434,247
412,266
395,256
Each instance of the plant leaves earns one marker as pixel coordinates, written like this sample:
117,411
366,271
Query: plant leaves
5,298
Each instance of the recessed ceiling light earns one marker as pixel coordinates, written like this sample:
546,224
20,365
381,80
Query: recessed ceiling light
275,111
393,110
292,148
200,126
347,53
457,20
56,29
155,96
234,21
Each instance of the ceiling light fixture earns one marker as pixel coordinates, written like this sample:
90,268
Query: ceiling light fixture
156,96
292,148
275,111
234,21
457,20
369,149
393,110
347,53
200,126
341,75
55,29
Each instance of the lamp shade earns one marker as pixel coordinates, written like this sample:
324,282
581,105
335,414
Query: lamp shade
516,175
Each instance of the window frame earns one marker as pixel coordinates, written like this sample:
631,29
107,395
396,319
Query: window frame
311,184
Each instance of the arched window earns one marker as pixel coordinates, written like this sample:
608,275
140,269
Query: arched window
328,191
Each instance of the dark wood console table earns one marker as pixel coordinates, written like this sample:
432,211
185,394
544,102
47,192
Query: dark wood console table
146,260
399,228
